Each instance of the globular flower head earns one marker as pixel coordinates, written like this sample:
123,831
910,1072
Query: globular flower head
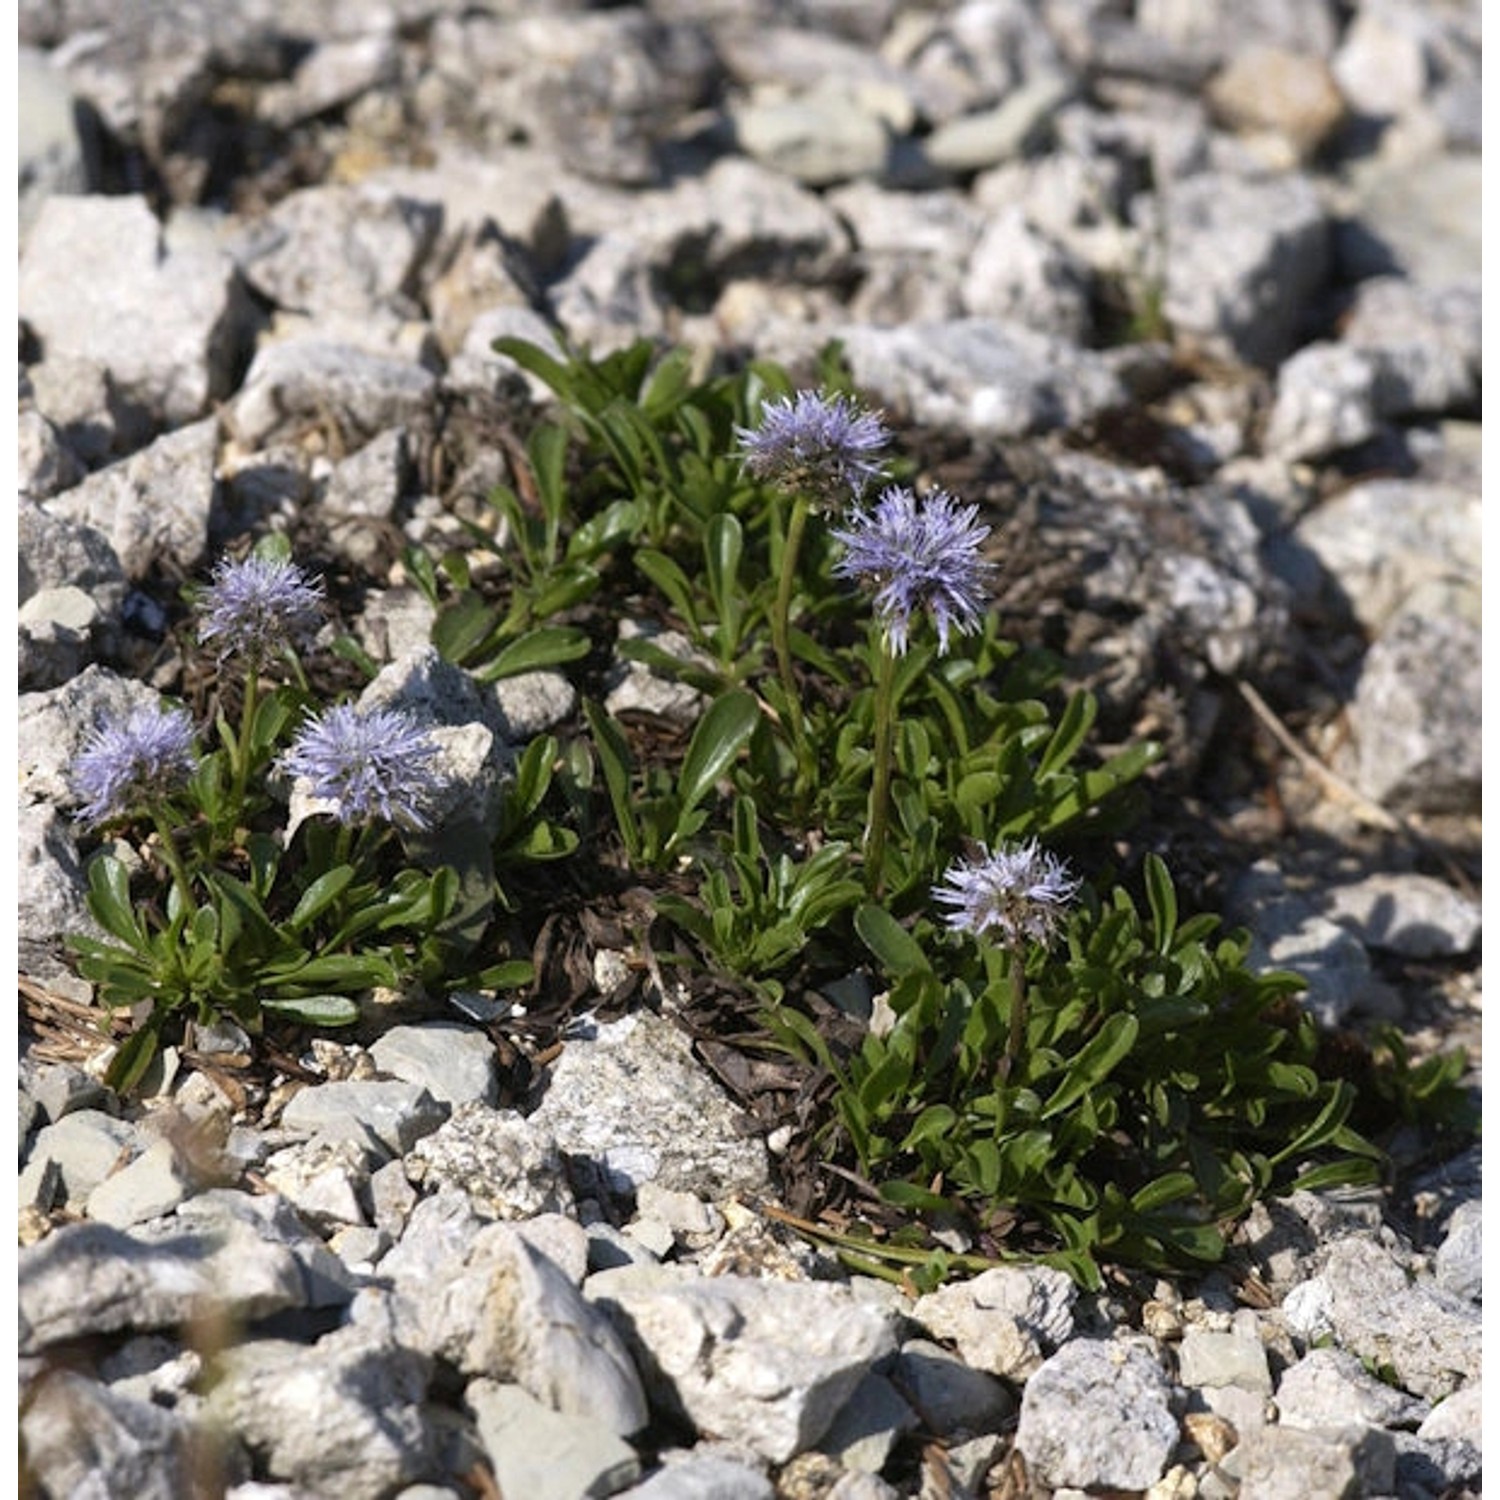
1019,892
919,555
823,447
132,761
371,765
258,605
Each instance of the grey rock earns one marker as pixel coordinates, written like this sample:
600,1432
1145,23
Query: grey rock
1460,1418
1416,218
496,1306
339,249
1243,260
78,397
1310,28
1322,1463
1417,730
1436,1466
1381,63
703,1477
949,1397
1427,1336
639,687
95,281
1383,540
456,1064
549,1455
1326,400
44,462
762,1363
821,136
51,895
332,74
56,628
50,155
92,1278
1264,88
868,1426
155,505
153,1184
1423,339
1459,1264
344,1416
1097,1413
1018,274
54,725
985,137
1331,1388
59,1088
979,375
395,622
83,1439
1416,916
308,380
531,703
397,1114
1288,933
58,553
610,296
1208,1358
362,494
632,1105
86,1146
507,1166
1006,1320
327,1178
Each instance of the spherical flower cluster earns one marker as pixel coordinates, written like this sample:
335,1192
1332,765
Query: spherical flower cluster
1020,892
258,605
369,765
919,555
823,447
130,762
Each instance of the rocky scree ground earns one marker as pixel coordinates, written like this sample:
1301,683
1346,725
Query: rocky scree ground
1186,298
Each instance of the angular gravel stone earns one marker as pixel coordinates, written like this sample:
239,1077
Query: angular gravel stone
153,1184
397,1114
1323,1463
44,462
83,1439
1206,1358
1006,1320
1097,1415
507,1166
154,506
1243,260
763,1363
343,1417
1332,1387
1417,731
547,1455
1459,1264
1427,1336
86,1146
96,281
703,1477
1326,399
1417,916
949,1396
819,137
455,1064
632,1105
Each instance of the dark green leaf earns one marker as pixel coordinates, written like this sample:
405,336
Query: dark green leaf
898,951
315,1010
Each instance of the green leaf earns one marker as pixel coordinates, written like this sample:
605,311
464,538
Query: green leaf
315,1010
320,895
1094,1062
1173,1187
672,583
1067,739
721,734
614,760
723,544
898,951
109,901
132,1058
547,646
509,975
1163,901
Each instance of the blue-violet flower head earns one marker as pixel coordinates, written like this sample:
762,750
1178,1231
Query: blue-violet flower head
133,760
255,606
919,555
372,764
823,447
1017,891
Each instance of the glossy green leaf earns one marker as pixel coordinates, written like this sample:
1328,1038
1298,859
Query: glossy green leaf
722,733
898,951
546,646
314,1010
320,895
1094,1063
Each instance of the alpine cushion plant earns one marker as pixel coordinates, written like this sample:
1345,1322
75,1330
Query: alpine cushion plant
819,450
916,555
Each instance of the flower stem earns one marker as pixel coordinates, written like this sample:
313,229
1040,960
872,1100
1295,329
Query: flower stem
242,745
167,836
781,629
880,784
1015,1035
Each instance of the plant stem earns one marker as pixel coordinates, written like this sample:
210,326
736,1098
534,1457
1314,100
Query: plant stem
166,834
880,784
242,745
1017,1032
781,627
